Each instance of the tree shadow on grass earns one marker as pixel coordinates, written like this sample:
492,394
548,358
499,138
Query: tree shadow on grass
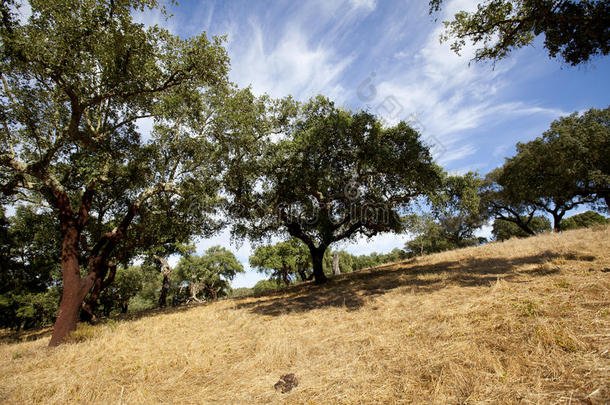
352,290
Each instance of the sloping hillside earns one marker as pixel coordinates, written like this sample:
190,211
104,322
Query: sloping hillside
525,321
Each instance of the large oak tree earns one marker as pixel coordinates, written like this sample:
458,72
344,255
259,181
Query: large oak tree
75,78
564,168
331,175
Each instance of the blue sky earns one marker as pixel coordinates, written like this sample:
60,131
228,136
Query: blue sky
385,56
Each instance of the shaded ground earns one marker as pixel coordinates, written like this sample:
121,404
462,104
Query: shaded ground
354,289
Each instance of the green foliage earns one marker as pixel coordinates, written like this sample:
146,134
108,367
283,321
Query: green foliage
504,230
266,285
76,78
574,30
283,261
29,271
127,284
25,310
555,173
333,175
454,217
207,276
584,220
349,263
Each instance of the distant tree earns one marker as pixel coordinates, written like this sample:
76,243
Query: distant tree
29,271
505,204
127,284
330,176
282,261
453,219
584,220
504,230
207,276
76,77
574,30
563,169
344,261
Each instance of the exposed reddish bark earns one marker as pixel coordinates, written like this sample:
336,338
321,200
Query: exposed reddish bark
76,288
285,276
104,277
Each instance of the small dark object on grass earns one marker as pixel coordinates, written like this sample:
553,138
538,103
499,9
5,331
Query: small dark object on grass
286,383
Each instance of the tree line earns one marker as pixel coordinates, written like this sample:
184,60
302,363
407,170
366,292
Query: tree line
85,194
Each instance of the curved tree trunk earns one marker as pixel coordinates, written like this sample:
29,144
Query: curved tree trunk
101,282
75,288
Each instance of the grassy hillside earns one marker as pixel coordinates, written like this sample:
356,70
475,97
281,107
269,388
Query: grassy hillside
524,321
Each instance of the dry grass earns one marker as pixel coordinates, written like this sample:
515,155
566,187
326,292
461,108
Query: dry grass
525,321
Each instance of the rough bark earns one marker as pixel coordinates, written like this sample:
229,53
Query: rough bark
166,270
104,277
75,288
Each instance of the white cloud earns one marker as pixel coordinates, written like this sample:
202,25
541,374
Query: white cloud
292,66
456,154
364,4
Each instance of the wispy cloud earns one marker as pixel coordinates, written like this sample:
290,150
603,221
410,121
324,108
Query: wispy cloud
292,66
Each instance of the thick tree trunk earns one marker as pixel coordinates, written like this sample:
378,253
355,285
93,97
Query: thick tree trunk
75,288
317,258
557,222
336,269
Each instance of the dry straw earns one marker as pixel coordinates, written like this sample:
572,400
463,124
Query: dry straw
524,321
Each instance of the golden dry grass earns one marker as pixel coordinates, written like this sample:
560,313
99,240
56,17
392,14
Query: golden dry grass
525,321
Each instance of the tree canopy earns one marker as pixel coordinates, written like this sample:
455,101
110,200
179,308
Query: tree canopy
333,175
283,261
76,78
564,168
575,30
504,230
584,220
208,275
453,218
